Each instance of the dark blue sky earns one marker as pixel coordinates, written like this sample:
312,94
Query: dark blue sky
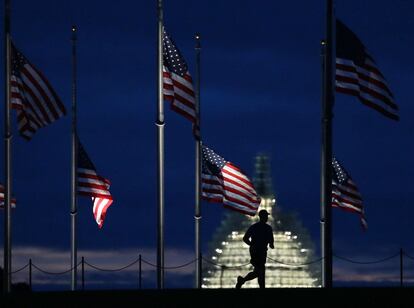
261,91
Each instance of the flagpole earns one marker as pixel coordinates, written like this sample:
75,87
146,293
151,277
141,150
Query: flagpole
197,134
74,205
7,154
160,142
326,155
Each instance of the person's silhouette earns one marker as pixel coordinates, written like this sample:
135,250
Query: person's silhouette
258,236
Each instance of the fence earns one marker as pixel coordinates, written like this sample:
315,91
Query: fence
30,265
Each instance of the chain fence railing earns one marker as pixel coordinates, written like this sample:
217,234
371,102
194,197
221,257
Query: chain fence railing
30,265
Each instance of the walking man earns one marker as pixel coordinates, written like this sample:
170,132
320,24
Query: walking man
258,236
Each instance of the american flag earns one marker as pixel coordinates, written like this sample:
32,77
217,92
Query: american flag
91,184
345,193
34,99
177,81
357,74
2,198
223,182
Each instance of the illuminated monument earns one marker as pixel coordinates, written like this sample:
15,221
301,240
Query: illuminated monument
292,245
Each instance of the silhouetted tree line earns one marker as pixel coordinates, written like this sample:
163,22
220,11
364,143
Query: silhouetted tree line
20,287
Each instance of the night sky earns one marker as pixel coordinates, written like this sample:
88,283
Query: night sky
260,92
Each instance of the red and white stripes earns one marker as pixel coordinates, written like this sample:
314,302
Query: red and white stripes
32,96
225,183
367,83
180,92
92,185
2,198
346,196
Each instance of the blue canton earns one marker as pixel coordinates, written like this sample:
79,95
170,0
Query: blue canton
212,163
83,158
18,61
339,174
173,59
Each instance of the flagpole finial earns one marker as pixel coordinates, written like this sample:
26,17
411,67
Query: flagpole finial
74,32
197,38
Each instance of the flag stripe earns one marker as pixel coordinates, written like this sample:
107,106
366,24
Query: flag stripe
358,75
346,207
88,193
223,182
183,110
236,189
32,96
368,102
33,104
41,91
367,88
90,184
364,71
61,110
18,102
236,173
102,189
100,206
353,73
177,82
347,191
345,194
3,198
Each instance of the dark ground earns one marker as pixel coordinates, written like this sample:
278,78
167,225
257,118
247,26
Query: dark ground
336,297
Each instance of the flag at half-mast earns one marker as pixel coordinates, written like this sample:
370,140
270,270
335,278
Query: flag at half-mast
2,198
357,74
345,193
177,82
91,184
32,96
223,182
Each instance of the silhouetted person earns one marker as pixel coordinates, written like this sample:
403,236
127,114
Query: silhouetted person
258,236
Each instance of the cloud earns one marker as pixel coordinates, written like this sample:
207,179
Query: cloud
103,267
372,275
386,271
108,268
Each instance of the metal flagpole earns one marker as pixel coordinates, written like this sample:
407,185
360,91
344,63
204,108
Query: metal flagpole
7,154
160,172
326,155
74,205
401,268
197,133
